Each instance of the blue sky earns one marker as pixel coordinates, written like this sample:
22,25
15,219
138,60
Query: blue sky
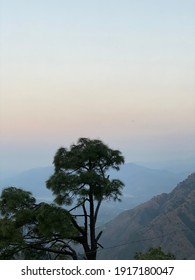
121,71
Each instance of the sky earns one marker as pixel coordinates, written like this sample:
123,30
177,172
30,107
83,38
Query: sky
121,71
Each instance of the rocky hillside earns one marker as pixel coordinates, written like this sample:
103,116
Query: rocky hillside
167,220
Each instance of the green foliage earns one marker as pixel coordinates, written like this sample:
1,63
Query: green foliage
82,170
30,230
8,231
53,220
14,200
154,254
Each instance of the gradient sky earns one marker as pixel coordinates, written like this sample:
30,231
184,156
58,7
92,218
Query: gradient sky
119,70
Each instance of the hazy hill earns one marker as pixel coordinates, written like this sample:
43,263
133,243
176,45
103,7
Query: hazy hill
167,220
141,183
32,180
185,166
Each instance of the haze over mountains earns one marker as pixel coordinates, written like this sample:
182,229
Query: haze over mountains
166,220
141,183
138,222
32,180
185,166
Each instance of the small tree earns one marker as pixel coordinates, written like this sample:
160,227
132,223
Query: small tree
33,231
81,179
154,254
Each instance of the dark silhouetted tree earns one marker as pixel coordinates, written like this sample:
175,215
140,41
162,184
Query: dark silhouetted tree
81,179
33,231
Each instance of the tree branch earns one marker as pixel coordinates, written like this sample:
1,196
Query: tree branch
99,235
78,227
78,205
97,209
85,219
71,253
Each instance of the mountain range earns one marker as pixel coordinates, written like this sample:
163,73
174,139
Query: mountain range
166,220
141,183
138,222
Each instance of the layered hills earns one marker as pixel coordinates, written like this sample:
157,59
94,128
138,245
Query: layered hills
167,220
141,183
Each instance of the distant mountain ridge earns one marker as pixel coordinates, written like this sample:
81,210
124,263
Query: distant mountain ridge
32,180
185,166
166,220
141,183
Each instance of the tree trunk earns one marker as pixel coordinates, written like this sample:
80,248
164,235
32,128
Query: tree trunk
93,250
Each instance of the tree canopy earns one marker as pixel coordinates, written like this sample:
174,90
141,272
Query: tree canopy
154,254
30,230
79,184
81,179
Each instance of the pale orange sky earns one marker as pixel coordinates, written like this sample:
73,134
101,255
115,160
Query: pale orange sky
122,71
